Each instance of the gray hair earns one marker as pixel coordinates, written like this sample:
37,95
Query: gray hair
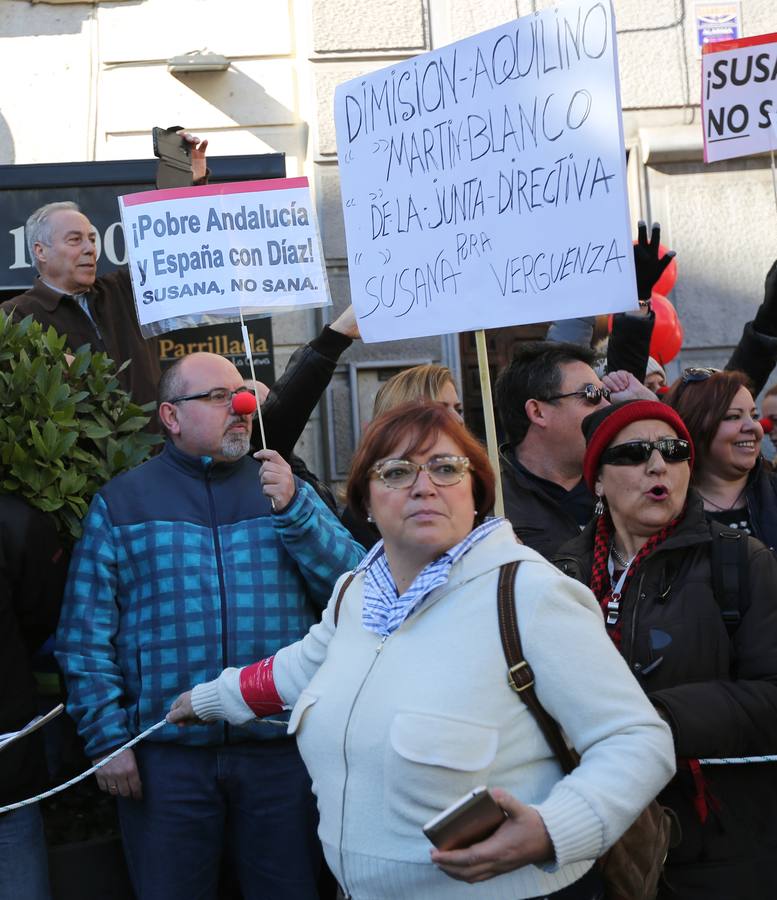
38,228
172,384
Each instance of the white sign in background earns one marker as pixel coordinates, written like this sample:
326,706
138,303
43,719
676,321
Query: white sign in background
739,97
484,184
251,245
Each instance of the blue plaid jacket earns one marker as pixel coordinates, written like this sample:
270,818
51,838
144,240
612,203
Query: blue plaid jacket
183,570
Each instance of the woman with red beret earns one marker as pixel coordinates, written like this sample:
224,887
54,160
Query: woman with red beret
707,662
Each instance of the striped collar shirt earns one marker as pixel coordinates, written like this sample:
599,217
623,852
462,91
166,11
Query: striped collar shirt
384,610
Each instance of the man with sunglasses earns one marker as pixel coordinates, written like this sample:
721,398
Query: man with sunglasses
542,397
200,558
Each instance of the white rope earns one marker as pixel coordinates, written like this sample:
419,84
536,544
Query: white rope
103,762
99,765
737,760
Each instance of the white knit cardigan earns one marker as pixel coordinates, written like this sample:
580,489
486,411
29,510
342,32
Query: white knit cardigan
395,729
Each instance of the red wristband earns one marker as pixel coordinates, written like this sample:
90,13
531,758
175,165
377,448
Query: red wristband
258,688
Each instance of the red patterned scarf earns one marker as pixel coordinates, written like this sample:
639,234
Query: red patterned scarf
600,577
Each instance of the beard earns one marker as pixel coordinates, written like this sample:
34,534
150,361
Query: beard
235,444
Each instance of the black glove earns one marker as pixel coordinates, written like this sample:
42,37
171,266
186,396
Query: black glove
765,320
649,267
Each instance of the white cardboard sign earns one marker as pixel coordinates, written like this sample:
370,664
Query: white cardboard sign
198,250
484,184
739,97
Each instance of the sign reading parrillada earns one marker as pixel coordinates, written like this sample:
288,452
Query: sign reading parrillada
198,250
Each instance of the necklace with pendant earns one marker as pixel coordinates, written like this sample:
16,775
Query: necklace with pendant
717,505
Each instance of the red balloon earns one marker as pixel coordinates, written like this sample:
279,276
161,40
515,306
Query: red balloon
668,331
243,403
668,334
668,277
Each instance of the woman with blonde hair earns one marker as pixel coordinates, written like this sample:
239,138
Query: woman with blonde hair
418,384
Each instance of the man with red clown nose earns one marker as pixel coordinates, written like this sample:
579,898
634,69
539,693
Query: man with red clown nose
203,557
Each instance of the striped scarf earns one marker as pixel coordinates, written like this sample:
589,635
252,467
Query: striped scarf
600,582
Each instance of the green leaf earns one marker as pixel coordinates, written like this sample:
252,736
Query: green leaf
66,427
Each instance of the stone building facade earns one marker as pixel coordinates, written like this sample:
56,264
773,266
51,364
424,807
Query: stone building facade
87,81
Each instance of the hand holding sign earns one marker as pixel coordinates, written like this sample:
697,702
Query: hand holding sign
276,478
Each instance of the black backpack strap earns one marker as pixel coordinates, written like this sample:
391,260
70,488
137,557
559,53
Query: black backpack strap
730,575
519,673
343,589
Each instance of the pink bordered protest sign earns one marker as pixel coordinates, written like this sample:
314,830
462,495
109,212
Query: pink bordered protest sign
199,255
739,97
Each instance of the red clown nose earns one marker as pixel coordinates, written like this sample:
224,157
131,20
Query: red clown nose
244,403
767,424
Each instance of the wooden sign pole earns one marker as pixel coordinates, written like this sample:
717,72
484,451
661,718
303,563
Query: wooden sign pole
488,414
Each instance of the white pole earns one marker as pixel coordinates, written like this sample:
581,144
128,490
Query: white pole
250,358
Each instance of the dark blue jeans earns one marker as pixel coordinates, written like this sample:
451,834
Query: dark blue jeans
24,873
251,801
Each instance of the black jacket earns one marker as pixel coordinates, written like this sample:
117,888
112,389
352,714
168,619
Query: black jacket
629,344
761,497
294,395
720,695
33,566
755,355
537,519
113,309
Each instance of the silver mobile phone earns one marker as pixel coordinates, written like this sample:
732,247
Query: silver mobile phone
469,820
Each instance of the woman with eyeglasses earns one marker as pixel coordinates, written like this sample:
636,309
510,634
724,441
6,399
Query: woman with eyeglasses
737,486
401,702
419,384
649,558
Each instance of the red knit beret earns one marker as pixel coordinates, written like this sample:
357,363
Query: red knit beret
602,426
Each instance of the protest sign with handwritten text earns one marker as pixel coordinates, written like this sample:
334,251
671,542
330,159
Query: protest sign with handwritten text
739,97
252,245
484,184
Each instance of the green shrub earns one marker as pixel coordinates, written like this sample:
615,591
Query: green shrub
66,427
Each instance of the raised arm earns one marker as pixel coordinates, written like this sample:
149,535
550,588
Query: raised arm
756,352
294,395
629,345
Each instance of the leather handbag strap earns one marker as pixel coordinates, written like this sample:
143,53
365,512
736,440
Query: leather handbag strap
343,589
519,673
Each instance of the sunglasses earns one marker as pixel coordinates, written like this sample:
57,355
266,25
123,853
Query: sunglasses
635,452
590,393
402,473
697,373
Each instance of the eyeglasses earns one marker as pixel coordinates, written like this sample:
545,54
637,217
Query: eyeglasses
443,471
590,393
635,452
216,396
698,373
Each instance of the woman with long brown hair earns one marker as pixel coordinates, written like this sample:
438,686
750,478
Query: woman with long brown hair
737,487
